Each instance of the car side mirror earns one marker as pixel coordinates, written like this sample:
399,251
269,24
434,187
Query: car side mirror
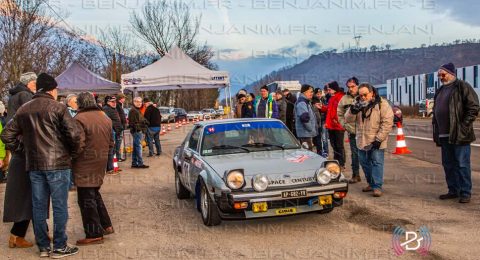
187,154
305,146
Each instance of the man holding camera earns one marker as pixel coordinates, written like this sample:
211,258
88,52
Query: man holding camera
374,120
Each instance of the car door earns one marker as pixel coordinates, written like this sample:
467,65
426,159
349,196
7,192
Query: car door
190,156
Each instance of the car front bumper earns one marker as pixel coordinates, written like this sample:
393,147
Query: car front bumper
275,201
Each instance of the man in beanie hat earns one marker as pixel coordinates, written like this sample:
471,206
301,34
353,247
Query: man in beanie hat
265,106
18,192
454,111
336,132
21,93
306,123
50,138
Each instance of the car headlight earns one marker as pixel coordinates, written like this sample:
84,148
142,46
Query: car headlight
334,169
323,176
235,179
260,183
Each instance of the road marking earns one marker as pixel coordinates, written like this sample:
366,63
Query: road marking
427,139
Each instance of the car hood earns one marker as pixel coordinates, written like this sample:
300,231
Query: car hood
268,162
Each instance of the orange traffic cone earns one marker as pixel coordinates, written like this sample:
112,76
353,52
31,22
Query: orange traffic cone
183,122
401,144
115,164
163,130
176,125
169,128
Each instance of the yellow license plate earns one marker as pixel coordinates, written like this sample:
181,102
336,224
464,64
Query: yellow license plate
286,211
325,200
259,207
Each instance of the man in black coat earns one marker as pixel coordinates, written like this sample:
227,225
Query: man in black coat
51,139
455,109
153,116
18,192
290,114
123,119
110,110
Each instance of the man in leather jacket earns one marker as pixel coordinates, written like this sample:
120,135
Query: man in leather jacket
455,109
50,139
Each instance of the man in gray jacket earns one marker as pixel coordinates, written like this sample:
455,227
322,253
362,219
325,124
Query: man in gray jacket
305,120
343,106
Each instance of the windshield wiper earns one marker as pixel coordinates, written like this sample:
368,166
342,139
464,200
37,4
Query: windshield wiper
265,144
226,146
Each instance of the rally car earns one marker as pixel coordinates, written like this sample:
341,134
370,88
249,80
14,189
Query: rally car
253,168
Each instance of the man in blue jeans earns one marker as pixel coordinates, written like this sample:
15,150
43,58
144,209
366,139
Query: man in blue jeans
455,109
49,150
373,117
138,126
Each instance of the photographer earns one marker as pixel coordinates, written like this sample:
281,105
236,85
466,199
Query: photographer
374,121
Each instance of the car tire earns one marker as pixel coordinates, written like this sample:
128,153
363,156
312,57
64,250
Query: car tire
182,192
208,210
326,211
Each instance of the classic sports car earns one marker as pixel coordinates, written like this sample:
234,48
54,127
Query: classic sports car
253,168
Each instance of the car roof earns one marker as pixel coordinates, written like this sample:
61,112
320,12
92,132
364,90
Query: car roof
235,120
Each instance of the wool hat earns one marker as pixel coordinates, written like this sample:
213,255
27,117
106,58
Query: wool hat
109,98
25,78
448,67
239,96
46,83
334,85
146,100
121,95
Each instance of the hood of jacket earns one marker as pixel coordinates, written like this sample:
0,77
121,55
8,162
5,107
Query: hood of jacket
19,88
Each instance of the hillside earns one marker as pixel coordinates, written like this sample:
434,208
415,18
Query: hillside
375,66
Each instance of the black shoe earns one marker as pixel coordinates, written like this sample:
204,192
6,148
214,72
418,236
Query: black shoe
158,154
464,200
150,155
143,166
65,251
4,180
122,160
448,196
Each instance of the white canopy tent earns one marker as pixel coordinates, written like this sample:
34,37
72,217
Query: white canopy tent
176,70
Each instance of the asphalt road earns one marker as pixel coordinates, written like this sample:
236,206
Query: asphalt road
150,223
418,135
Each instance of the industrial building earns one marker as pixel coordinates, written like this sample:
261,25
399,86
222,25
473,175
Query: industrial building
409,90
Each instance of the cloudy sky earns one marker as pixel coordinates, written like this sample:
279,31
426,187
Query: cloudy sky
252,27
254,37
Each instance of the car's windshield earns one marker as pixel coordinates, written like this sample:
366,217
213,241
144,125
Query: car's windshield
193,112
244,137
164,111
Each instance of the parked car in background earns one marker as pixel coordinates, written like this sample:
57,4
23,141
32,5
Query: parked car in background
168,116
180,114
210,165
220,112
197,115
210,112
397,113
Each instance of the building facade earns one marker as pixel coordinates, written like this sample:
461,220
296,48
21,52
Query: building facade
409,90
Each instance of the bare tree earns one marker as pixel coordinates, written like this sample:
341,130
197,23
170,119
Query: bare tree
30,40
163,24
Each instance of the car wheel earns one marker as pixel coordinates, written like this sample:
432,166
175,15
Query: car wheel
208,210
182,192
326,211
